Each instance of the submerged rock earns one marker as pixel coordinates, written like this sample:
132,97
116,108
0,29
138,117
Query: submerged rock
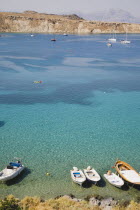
108,202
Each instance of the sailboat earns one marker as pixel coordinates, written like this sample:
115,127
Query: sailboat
125,41
112,39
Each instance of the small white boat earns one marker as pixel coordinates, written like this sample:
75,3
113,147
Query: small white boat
114,179
11,171
65,34
32,35
112,40
77,176
125,42
109,44
91,174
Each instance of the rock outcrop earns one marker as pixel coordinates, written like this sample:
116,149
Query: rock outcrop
33,22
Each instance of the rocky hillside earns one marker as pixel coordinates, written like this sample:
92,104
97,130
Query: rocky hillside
33,22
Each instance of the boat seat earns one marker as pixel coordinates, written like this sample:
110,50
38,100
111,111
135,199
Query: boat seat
90,173
77,175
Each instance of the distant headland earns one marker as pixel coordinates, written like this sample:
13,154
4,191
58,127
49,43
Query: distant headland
34,22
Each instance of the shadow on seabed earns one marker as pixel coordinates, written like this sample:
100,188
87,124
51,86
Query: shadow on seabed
19,178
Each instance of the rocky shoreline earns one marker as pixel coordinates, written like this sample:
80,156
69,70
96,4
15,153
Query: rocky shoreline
95,201
33,22
68,202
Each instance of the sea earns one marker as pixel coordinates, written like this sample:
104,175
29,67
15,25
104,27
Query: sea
84,112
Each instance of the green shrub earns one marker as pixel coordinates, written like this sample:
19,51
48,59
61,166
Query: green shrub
9,203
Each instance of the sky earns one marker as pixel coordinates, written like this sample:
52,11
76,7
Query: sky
69,6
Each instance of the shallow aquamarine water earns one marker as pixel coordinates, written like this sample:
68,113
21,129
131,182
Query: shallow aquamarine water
85,112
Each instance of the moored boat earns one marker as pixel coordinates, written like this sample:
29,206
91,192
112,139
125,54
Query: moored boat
114,179
109,44
112,40
37,82
11,171
91,174
125,42
53,40
127,172
77,176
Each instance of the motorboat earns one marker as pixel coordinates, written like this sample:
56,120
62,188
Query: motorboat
77,176
114,179
109,44
65,34
53,40
36,82
32,35
11,171
91,174
127,172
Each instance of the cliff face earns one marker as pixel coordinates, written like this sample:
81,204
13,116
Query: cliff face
30,22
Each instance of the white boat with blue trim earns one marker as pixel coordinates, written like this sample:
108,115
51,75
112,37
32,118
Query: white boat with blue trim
114,179
77,176
11,171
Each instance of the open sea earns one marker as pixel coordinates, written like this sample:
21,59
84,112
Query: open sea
85,112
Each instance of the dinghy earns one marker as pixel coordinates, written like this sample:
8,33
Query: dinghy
114,179
11,171
77,176
36,82
127,172
109,44
91,174
53,40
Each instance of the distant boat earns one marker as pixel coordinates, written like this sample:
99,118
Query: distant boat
109,44
37,81
53,40
11,171
77,176
32,35
65,34
112,39
91,174
125,41
127,172
114,179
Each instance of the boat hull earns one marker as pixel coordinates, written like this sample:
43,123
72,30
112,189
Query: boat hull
122,168
114,180
80,179
125,42
92,175
13,175
112,40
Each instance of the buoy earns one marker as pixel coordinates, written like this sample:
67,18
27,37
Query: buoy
47,174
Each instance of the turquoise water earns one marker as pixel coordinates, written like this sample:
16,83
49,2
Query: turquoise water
85,112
